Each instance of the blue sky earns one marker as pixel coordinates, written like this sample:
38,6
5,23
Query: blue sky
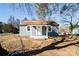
7,10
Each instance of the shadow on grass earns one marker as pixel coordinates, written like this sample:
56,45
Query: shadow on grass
3,52
52,46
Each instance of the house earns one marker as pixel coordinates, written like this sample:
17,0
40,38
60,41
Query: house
64,29
75,31
38,28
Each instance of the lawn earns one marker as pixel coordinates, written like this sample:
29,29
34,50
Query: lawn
52,46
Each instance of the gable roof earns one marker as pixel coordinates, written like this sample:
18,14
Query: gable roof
39,22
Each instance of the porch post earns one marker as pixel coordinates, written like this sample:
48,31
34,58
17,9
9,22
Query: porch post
36,30
31,30
46,30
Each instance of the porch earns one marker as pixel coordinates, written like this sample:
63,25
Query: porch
39,31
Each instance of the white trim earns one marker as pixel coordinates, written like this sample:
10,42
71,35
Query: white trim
39,37
41,29
47,31
39,25
30,30
36,30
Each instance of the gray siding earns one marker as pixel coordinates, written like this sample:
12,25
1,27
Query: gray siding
23,31
54,32
32,32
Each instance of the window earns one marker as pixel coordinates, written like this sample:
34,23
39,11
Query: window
34,27
28,28
49,28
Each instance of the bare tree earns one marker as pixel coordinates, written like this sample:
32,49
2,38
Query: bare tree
68,12
45,10
10,24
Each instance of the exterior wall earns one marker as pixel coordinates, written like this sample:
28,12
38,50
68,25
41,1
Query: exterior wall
33,31
54,31
23,31
37,33
76,31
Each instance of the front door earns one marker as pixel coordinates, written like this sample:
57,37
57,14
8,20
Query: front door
44,29
39,31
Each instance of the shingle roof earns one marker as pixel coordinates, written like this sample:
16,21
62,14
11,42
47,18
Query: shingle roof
39,22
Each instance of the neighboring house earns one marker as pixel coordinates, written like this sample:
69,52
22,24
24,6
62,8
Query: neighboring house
38,28
64,29
75,31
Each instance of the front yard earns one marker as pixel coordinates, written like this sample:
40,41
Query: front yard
12,42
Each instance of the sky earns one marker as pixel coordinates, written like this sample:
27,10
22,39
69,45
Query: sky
7,10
